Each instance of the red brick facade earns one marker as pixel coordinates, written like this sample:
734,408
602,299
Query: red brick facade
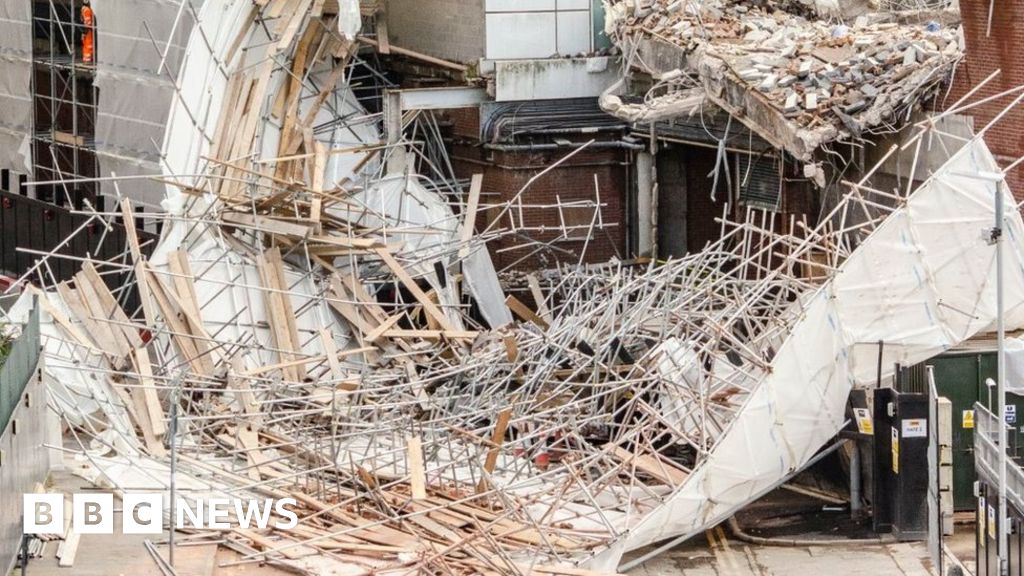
986,53
505,173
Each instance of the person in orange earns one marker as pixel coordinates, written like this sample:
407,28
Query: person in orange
88,39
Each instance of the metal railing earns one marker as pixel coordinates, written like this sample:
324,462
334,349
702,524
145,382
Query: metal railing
986,456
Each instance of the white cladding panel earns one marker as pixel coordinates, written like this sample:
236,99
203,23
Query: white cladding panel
523,29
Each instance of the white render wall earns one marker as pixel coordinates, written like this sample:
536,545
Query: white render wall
521,29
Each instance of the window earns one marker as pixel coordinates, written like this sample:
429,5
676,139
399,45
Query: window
759,180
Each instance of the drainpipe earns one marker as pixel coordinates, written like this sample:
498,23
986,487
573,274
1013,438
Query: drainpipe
855,484
612,144
644,203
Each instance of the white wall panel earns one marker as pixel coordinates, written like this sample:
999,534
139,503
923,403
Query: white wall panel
519,5
573,33
574,5
521,35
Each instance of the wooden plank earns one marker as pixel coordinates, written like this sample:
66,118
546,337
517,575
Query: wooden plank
280,314
69,550
381,28
331,351
352,313
243,393
418,55
379,331
538,297
63,321
266,224
497,437
99,333
432,334
319,170
294,88
417,473
369,243
150,399
298,14
250,442
511,348
110,308
137,401
653,466
184,282
523,311
469,218
284,547
141,282
302,361
128,216
359,293
181,334
68,138
403,276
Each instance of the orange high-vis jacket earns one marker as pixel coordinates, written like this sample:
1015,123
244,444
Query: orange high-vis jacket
87,38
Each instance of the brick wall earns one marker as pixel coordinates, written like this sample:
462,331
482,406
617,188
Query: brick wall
449,29
505,173
465,123
999,51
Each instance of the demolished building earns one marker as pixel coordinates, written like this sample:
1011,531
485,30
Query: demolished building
779,101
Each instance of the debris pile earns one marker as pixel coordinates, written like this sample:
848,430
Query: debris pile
826,81
315,326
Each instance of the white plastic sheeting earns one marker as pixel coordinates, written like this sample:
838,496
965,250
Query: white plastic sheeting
922,282
15,83
140,47
1015,365
203,83
349,18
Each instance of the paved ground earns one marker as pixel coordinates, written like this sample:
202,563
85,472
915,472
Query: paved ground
783,515
718,555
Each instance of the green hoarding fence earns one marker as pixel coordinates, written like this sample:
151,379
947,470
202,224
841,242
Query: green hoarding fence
18,368
960,376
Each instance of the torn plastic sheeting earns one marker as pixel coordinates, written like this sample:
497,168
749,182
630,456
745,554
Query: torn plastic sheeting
800,404
407,213
350,20
15,83
482,283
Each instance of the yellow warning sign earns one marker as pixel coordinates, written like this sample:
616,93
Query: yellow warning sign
981,518
895,451
864,423
968,419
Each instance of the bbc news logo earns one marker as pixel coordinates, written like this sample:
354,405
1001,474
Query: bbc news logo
93,513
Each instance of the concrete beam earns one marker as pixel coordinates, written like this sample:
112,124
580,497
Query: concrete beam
442,98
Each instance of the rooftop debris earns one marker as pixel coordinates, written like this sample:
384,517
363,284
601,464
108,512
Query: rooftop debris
324,330
799,82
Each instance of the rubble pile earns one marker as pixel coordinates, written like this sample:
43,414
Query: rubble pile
838,79
315,324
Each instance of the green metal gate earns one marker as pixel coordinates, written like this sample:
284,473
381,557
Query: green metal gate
960,376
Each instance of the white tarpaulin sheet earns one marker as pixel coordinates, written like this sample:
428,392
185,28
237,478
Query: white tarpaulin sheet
922,282
140,47
15,83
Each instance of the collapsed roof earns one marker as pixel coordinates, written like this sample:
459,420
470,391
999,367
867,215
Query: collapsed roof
798,81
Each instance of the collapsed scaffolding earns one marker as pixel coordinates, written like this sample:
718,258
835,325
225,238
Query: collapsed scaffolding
315,324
